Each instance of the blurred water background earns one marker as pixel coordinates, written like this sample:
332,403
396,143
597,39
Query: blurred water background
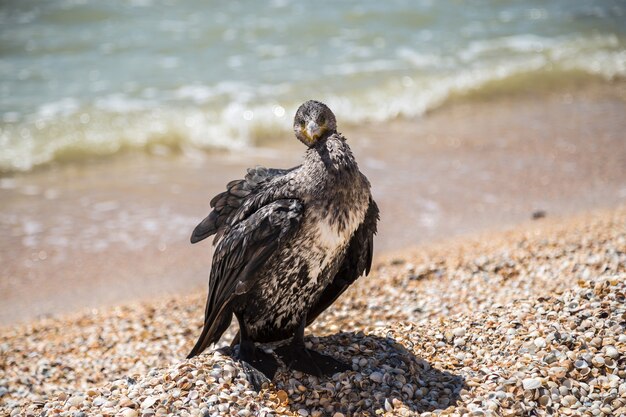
88,78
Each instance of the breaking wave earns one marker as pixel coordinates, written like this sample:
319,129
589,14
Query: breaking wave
232,115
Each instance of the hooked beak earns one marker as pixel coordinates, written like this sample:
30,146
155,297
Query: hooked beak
312,129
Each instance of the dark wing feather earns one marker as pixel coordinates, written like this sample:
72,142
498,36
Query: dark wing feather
238,256
228,204
358,261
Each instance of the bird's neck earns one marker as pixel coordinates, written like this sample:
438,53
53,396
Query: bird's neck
332,155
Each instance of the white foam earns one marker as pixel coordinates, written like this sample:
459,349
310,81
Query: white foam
120,103
63,107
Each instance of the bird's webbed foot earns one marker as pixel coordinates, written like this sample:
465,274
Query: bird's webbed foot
299,358
259,367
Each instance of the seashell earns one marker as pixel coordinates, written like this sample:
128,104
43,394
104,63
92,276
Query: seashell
458,332
148,402
282,396
388,405
558,372
531,383
598,361
129,412
569,400
127,402
567,364
376,377
611,352
539,342
99,401
550,358
530,394
408,390
388,379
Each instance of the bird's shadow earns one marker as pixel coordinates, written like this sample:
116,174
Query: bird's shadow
386,377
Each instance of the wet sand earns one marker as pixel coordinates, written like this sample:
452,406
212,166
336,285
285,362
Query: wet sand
83,236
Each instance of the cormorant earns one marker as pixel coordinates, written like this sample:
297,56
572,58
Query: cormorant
289,242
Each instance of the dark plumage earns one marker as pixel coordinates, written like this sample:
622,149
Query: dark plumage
289,242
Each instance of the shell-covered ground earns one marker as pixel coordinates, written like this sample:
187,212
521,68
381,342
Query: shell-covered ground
526,322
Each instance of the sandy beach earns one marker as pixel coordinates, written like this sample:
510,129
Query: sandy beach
472,307
525,322
80,236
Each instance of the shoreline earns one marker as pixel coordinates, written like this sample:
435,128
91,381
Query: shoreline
173,141
470,318
111,232
466,247
523,90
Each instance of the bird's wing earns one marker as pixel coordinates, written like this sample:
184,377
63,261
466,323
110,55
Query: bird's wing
242,251
358,261
241,198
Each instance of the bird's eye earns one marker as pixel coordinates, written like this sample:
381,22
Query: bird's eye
321,121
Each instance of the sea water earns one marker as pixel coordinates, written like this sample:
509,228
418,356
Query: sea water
88,78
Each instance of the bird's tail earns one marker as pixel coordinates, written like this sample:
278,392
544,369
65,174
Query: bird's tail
211,333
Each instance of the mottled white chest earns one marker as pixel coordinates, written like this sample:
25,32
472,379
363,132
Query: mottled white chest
328,234
331,238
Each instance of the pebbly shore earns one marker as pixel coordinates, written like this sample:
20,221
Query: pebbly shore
526,322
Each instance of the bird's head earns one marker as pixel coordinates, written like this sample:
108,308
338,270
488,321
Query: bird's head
313,122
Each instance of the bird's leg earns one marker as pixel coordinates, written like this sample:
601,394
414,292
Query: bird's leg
259,366
297,357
